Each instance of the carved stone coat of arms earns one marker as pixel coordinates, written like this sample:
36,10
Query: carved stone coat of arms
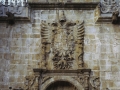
62,43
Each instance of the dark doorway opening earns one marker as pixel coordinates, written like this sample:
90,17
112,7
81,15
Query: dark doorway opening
61,85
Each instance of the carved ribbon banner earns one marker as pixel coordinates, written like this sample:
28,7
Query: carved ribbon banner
63,40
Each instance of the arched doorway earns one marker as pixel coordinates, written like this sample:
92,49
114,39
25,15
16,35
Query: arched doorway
61,85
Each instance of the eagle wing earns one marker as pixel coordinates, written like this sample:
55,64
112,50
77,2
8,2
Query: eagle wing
45,32
79,32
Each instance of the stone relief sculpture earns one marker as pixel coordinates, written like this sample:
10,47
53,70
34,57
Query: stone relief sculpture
13,7
10,19
115,19
95,82
88,83
62,45
63,40
109,6
31,82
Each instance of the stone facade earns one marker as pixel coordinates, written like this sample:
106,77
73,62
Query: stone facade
21,49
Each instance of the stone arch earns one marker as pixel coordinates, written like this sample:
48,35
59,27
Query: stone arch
62,78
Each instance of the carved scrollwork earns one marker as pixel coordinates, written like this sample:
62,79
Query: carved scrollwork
45,78
63,60
16,7
83,79
31,82
109,6
95,83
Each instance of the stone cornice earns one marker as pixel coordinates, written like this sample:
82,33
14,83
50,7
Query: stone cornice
62,71
20,14
69,6
102,17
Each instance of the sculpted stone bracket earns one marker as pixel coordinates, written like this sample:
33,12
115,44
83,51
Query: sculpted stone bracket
20,10
107,11
109,6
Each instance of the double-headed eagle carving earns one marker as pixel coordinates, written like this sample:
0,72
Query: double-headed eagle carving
63,40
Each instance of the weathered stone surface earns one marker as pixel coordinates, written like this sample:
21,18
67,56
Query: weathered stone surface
20,48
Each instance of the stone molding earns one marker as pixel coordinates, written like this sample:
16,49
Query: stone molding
102,17
23,13
49,76
60,5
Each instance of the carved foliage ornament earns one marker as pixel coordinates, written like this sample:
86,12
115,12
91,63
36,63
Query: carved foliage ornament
83,79
92,83
109,6
31,82
95,83
63,41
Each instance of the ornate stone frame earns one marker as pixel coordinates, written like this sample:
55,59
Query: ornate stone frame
79,77
47,77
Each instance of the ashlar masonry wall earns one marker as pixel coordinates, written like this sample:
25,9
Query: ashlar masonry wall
20,48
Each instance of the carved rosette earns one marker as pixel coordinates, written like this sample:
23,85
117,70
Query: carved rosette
63,40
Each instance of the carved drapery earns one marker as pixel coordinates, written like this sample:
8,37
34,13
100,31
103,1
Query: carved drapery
63,40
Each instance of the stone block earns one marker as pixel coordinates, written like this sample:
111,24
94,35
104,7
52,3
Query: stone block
96,73
7,56
102,62
96,67
37,56
103,56
23,35
108,68
11,79
35,36
115,68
